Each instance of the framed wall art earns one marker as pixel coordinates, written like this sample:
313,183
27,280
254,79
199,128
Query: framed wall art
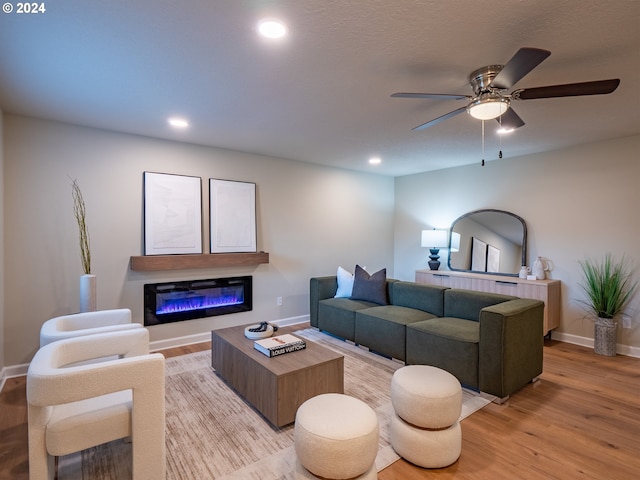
172,214
232,211
478,255
493,259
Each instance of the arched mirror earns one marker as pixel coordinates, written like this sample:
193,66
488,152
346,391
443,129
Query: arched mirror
488,241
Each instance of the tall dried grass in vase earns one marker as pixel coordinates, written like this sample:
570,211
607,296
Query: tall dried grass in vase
88,280
79,211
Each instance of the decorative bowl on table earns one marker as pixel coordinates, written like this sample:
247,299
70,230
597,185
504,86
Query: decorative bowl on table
259,334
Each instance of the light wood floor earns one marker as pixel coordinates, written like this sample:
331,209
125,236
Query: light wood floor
580,421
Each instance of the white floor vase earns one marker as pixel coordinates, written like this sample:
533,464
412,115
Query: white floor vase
88,293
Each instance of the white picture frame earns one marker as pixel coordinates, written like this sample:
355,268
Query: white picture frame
232,213
172,214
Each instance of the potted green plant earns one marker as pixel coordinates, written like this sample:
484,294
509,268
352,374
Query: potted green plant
87,281
608,285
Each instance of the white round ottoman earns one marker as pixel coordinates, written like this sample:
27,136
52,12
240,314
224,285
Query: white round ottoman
336,437
423,447
426,396
425,428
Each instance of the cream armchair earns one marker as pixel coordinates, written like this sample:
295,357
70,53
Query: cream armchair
72,408
87,323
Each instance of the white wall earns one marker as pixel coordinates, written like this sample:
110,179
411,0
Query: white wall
310,219
578,202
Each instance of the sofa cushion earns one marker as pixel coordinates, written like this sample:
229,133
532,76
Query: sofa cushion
467,304
454,328
370,288
448,343
337,316
383,328
345,283
429,298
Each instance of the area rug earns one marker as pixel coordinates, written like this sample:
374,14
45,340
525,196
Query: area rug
212,433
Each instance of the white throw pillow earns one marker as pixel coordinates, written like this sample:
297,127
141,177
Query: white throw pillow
345,283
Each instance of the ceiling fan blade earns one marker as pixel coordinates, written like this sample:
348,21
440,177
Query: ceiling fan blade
599,87
440,119
525,60
510,119
437,96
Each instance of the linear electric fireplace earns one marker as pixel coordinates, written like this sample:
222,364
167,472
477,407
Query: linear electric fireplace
178,301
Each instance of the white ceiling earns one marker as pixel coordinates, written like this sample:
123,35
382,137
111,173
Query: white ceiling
323,94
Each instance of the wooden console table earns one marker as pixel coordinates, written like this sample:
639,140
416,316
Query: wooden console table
546,290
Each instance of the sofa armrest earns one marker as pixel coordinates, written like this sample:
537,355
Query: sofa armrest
320,288
511,343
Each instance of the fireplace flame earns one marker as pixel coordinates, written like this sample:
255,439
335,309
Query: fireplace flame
198,302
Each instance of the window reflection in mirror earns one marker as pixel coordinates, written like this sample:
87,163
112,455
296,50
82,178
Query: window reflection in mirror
491,241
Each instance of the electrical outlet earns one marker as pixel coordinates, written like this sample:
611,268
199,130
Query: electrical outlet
626,322
279,301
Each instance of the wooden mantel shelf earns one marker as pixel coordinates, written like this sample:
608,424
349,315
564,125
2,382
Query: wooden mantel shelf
207,260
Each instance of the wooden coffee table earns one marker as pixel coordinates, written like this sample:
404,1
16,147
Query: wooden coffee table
275,386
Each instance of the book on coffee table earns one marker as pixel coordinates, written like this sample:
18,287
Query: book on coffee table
279,345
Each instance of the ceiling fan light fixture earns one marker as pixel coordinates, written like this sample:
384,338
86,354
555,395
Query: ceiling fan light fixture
488,106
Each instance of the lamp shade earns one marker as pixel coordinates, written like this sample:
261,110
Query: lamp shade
434,238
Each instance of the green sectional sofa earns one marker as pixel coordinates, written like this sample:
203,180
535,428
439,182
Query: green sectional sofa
490,342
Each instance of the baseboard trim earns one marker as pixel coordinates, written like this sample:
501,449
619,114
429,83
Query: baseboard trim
12,371
621,349
179,341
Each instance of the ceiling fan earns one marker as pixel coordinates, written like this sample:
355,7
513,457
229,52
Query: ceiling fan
490,84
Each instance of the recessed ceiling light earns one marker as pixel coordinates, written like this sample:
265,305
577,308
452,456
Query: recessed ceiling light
375,160
502,131
271,28
178,122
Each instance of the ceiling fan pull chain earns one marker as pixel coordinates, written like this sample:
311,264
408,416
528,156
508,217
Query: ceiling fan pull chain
500,137
483,143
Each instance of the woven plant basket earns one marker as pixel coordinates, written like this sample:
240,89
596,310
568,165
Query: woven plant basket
604,342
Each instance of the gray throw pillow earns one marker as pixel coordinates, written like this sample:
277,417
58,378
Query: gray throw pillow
371,288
